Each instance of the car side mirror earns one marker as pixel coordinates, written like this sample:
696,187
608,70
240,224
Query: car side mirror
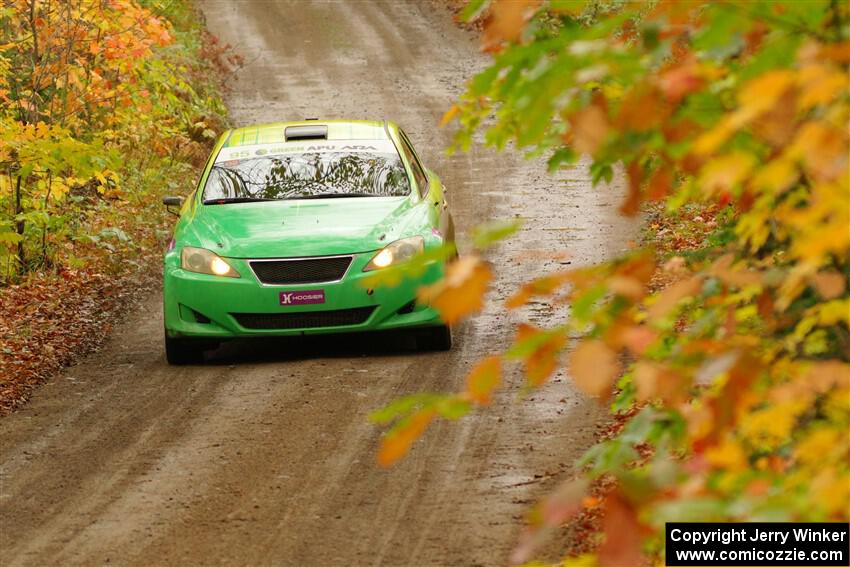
173,202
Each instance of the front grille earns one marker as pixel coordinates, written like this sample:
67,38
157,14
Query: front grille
301,271
304,320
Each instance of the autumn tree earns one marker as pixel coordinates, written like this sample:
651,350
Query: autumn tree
86,89
733,353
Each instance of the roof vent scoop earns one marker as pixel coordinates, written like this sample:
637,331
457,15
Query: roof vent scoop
310,132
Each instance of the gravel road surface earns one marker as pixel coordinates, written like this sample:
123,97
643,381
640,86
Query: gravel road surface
264,455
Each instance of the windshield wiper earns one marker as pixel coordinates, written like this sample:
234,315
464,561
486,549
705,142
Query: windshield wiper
235,200
331,196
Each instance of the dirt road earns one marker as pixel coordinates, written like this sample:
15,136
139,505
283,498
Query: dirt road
264,456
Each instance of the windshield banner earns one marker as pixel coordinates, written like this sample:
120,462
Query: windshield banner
305,147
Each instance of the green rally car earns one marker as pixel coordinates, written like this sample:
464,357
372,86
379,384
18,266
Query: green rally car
286,222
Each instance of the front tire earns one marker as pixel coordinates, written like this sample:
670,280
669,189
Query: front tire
179,352
435,339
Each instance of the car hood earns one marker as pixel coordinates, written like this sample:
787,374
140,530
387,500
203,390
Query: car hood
272,229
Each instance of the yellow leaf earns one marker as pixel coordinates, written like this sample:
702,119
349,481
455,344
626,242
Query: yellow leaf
461,292
812,449
725,172
727,455
711,140
820,85
777,176
594,367
832,489
770,427
764,91
833,312
483,379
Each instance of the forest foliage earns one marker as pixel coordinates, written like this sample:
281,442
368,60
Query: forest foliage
732,355
104,105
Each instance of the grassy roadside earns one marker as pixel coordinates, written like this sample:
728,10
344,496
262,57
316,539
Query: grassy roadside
97,253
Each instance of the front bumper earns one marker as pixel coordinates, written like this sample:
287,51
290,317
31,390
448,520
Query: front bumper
200,305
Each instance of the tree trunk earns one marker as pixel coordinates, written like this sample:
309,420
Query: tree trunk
19,227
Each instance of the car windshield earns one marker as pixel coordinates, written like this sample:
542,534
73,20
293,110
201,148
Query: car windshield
307,175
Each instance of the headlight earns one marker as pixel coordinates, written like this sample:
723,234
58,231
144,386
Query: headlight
396,253
203,261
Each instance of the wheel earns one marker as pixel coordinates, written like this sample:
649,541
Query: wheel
435,338
183,351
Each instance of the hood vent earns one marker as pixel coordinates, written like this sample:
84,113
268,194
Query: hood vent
310,132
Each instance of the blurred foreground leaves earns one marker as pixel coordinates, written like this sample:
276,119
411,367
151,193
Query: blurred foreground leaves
731,345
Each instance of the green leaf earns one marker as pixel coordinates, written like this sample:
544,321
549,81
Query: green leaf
582,306
403,406
10,237
473,9
487,234
453,407
395,275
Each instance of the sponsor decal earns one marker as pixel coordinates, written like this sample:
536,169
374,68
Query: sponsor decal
307,297
241,152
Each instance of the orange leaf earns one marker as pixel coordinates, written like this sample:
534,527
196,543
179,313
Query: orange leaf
622,545
461,292
506,21
637,338
543,360
668,298
829,284
589,128
483,379
724,408
564,502
653,381
450,113
640,266
627,287
732,276
777,124
631,204
397,442
558,507
594,367
643,109
837,52
546,285
659,184
823,148
679,81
